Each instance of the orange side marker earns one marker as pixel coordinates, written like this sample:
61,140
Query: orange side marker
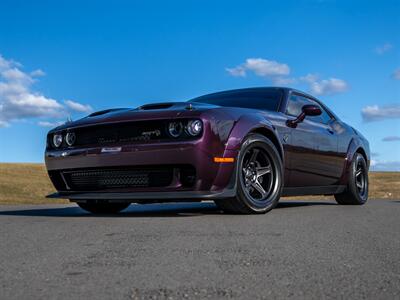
224,159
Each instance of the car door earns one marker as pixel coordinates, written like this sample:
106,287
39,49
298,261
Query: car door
313,147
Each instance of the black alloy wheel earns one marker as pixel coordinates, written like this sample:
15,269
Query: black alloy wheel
259,177
356,192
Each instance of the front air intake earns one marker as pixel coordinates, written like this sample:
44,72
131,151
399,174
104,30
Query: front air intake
117,178
122,178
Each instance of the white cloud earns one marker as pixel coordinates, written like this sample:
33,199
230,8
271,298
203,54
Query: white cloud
75,106
268,68
325,86
310,78
372,163
396,74
284,80
385,165
238,71
279,73
50,124
391,138
19,101
383,48
16,75
377,113
37,73
28,105
260,67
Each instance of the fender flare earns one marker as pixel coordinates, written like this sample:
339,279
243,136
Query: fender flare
354,146
253,123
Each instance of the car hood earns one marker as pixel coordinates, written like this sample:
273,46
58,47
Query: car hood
155,111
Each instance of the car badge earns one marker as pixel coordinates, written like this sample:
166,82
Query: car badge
285,138
111,149
153,132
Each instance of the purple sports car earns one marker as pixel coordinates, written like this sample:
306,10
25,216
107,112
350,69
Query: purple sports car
243,149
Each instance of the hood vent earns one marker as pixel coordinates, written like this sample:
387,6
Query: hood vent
156,106
103,112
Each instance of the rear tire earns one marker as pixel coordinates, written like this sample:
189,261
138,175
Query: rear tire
103,207
356,192
259,178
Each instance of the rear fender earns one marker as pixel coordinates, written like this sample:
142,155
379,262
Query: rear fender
354,145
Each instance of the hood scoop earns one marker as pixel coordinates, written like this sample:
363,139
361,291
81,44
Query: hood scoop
103,112
156,106
167,105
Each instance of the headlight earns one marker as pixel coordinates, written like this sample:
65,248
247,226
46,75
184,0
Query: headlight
175,129
70,138
194,127
57,140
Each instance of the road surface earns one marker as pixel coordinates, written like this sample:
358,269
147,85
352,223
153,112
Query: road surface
300,250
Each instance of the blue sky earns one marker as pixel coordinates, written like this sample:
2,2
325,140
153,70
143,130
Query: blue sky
61,58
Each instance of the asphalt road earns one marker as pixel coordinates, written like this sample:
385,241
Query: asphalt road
307,250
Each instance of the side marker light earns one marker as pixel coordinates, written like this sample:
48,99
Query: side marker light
224,159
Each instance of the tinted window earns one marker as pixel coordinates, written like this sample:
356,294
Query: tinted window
295,104
265,99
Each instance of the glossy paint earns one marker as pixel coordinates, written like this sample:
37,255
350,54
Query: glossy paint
313,154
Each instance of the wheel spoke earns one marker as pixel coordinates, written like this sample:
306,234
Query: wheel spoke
254,155
358,172
257,174
261,171
359,185
259,188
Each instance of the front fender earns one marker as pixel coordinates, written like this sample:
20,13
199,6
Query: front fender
250,123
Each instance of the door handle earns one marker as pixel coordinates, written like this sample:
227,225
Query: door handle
330,131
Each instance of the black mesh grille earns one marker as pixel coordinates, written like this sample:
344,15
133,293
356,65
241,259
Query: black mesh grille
103,179
121,133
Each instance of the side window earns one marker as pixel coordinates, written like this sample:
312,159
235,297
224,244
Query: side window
324,117
295,104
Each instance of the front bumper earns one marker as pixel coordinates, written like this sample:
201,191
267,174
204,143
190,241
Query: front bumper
213,180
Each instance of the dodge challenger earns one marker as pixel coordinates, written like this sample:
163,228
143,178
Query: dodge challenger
242,149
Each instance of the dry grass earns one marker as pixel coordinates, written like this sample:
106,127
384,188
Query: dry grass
385,185
28,184
25,184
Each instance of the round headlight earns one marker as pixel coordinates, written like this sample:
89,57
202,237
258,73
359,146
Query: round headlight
194,127
57,140
70,138
175,129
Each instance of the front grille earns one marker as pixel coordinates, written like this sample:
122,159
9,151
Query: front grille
121,133
104,179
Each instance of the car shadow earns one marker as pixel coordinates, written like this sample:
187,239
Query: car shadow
148,210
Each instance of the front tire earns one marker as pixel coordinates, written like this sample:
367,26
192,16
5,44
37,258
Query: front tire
103,207
356,192
259,178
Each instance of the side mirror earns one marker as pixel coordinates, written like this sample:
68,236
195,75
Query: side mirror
306,110
311,110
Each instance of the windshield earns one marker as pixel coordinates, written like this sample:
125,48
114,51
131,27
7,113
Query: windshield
258,98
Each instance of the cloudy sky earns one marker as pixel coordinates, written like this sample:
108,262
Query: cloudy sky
62,59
